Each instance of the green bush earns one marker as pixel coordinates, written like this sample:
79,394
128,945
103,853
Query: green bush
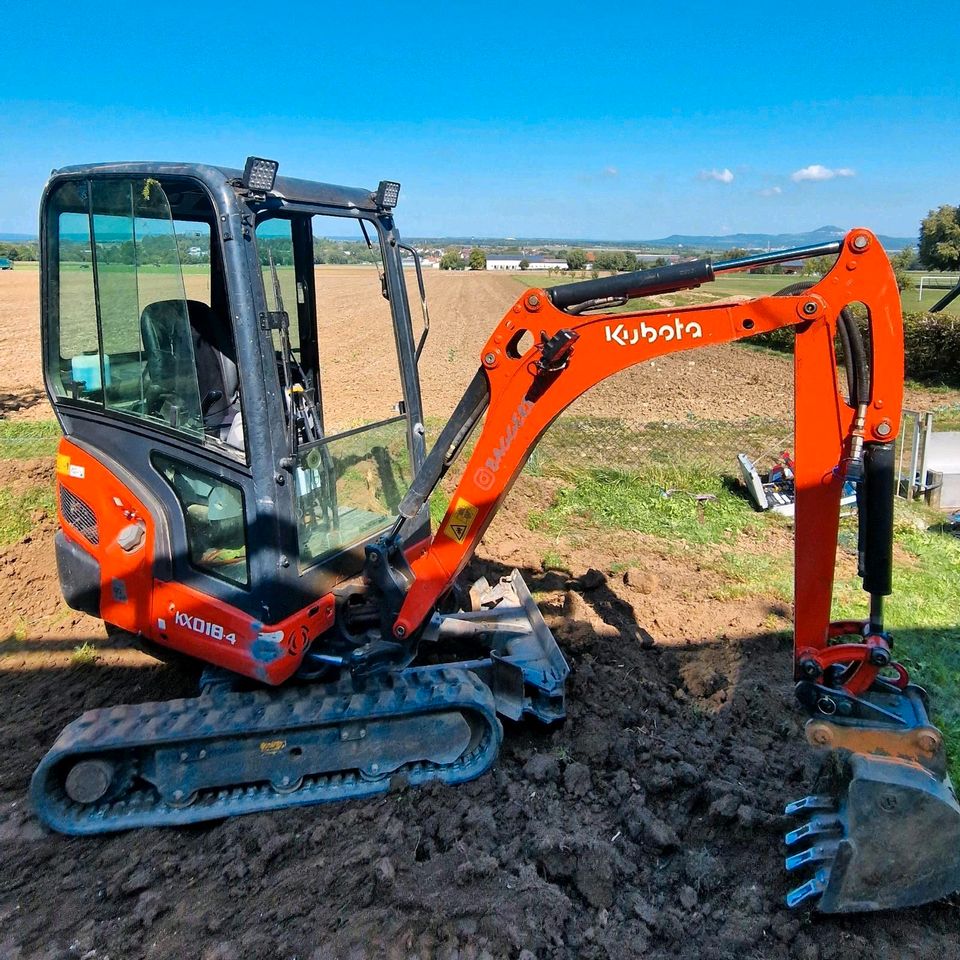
931,347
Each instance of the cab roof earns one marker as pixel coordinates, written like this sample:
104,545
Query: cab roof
291,189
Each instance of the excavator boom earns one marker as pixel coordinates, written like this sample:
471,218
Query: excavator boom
522,393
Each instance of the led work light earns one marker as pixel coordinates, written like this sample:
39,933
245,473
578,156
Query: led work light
259,174
387,194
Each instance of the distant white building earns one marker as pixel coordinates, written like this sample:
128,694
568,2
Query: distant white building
427,263
511,261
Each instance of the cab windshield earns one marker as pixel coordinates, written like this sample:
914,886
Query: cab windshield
353,462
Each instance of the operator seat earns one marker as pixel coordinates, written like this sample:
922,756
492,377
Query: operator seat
168,353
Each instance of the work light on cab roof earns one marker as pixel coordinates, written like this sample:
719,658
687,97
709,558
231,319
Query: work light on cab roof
388,193
259,175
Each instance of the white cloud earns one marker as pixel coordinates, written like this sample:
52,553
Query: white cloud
611,172
721,176
818,172
771,191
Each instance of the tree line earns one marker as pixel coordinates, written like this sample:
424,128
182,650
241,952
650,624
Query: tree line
20,251
161,250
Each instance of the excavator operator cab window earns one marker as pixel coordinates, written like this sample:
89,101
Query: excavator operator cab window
353,463
135,308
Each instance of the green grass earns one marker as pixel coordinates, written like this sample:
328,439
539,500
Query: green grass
945,416
20,439
553,560
750,284
695,507
17,511
162,269
439,501
912,300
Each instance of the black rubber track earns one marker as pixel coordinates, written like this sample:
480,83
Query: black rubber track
126,735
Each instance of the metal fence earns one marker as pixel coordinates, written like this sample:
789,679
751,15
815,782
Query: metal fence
911,453
710,445
584,442
579,442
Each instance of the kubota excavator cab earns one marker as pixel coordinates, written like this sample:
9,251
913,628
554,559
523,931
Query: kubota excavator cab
184,330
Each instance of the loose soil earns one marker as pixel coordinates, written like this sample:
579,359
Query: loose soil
649,824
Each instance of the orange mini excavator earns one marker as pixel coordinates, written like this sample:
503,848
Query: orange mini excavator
221,500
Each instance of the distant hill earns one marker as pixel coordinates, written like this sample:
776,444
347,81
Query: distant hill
748,241
773,241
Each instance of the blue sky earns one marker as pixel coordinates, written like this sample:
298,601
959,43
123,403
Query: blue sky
509,119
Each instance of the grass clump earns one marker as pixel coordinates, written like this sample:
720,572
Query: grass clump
553,560
84,655
18,511
695,507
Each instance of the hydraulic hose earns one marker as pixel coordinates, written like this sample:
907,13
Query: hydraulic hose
855,361
639,283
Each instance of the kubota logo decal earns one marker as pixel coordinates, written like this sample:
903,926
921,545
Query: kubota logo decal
628,336
486,476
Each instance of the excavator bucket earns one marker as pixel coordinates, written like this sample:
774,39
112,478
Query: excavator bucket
882,833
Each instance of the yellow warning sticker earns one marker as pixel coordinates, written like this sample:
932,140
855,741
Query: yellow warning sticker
63,463
461,520
272,746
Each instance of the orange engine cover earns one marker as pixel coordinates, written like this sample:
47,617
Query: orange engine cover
102,516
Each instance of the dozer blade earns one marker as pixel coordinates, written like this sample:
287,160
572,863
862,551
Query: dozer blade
886,836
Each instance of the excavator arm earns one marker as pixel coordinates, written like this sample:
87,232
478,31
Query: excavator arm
524,392
888,787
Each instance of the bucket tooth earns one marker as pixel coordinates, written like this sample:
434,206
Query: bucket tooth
814,887
814,827
816,801
817,853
